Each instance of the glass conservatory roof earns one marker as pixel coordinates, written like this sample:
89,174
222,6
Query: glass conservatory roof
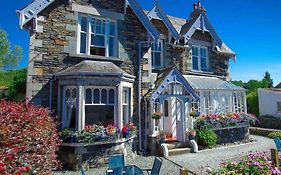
210,83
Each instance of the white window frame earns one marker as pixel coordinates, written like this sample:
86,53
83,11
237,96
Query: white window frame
199,58
107,35
161,55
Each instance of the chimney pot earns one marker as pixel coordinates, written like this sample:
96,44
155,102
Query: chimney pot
194,6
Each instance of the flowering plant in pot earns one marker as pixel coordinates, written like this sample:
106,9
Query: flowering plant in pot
156,116
125,131
191,134
194,114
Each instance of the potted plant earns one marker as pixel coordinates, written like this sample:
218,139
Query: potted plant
125,131
194,114
191,134
156,116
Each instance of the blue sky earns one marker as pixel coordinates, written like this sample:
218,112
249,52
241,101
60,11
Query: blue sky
252,28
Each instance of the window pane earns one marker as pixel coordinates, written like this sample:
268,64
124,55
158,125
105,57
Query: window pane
73,94
98,40
97,51
88,96
96,96
84,24
111,46
203,64
195,51
100,26
125,96
93,25
156,60
203,52
104,96
83,41
99,114
111,96
195,63
112,28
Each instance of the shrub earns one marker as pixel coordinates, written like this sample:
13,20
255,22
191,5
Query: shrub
206,137
28,139
16,90
254,163
275,134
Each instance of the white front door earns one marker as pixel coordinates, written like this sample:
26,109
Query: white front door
176,118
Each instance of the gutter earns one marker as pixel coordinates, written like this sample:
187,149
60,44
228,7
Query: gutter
51,91
139,96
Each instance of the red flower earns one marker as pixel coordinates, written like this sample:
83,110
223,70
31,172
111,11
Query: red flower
124,129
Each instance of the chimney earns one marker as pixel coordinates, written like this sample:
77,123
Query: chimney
195,6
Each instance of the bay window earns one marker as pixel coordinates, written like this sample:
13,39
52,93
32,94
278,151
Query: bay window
97,36
199,58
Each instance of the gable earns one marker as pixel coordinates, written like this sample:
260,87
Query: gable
168,76
202,23
158,13
160,26
33,9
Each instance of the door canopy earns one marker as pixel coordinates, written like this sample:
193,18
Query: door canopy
166,77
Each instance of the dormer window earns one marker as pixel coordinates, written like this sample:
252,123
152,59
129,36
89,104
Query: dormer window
157,55
97,36
199,58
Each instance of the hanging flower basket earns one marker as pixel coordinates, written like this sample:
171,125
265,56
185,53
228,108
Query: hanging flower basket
156,116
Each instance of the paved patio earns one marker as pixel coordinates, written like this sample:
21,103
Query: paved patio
196,162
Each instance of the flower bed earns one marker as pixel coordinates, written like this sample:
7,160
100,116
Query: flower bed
254,163
224,120
98,133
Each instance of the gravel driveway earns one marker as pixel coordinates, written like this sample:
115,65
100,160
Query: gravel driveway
196,162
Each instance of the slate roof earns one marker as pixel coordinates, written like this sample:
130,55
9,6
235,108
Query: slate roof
177,22
94,68
210,83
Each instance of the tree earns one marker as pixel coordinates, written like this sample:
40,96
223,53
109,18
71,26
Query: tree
267,78
9,57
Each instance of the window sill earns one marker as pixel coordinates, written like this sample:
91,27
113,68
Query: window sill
96,57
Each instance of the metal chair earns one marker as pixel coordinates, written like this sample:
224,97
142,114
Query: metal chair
115,164
277,142
156,167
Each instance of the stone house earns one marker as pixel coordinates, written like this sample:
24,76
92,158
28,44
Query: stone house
110,61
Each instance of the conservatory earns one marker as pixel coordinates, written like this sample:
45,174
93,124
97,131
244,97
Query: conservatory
176,96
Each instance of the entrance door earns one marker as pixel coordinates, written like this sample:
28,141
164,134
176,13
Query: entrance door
176,118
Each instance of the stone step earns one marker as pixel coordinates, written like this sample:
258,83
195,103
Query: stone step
178,151
177,145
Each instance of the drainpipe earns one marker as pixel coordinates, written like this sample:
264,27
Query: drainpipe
139,95
51,92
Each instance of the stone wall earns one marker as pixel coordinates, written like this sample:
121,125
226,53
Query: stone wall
76,155
232,134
